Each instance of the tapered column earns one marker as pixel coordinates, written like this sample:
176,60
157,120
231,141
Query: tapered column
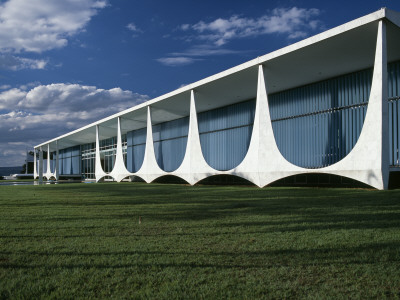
368,162
40,165
48,165
119,171
56,167
194,167
382,65
150,169
263,162
99,173
34,164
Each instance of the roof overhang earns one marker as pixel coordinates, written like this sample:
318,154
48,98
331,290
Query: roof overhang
343,49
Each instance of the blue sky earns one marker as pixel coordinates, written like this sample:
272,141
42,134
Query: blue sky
67,63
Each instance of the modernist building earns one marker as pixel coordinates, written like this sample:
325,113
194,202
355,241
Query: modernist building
328,104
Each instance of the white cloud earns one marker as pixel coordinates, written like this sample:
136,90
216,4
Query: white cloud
29,85
176,61
9,99
14,154
186,57
133,27
293,22
40,25
14,63
5,87
68,98
204,50
185,27
47,111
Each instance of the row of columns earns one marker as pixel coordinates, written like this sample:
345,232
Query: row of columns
368,162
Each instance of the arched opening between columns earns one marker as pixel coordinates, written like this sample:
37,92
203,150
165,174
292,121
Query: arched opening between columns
52,161
318,124
318,180
225,134
106,178
132,178
394,179
225,180
170,179
135,149
170,142
108,145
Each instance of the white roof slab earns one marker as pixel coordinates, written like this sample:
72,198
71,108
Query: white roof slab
340,50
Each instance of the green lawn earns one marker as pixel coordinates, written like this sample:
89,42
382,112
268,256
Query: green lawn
85,241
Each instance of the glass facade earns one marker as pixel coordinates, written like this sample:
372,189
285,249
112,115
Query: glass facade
318,124
170,139
108,150
314,126
136,145
69,161
88,160
53,161
394,113
225,134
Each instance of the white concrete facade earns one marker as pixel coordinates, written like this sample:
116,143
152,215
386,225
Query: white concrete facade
368,161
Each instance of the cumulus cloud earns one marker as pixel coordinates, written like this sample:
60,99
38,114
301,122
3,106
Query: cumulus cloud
40,25
293,22
68,99
47,111
14,63
14,154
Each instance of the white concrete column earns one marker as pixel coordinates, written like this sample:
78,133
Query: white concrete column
194,166
48,165
150,169
368,162
99,173
40,165
56,168
119,171
384,96
263,163
34,164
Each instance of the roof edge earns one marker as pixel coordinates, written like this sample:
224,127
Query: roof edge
382,13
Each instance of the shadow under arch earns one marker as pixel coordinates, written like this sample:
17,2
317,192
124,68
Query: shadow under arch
394,180
168,179
318,180
135,178
225,179
106,178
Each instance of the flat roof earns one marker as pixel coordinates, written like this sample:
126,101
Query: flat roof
340,50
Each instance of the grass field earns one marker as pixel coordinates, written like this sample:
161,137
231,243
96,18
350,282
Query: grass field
85,241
